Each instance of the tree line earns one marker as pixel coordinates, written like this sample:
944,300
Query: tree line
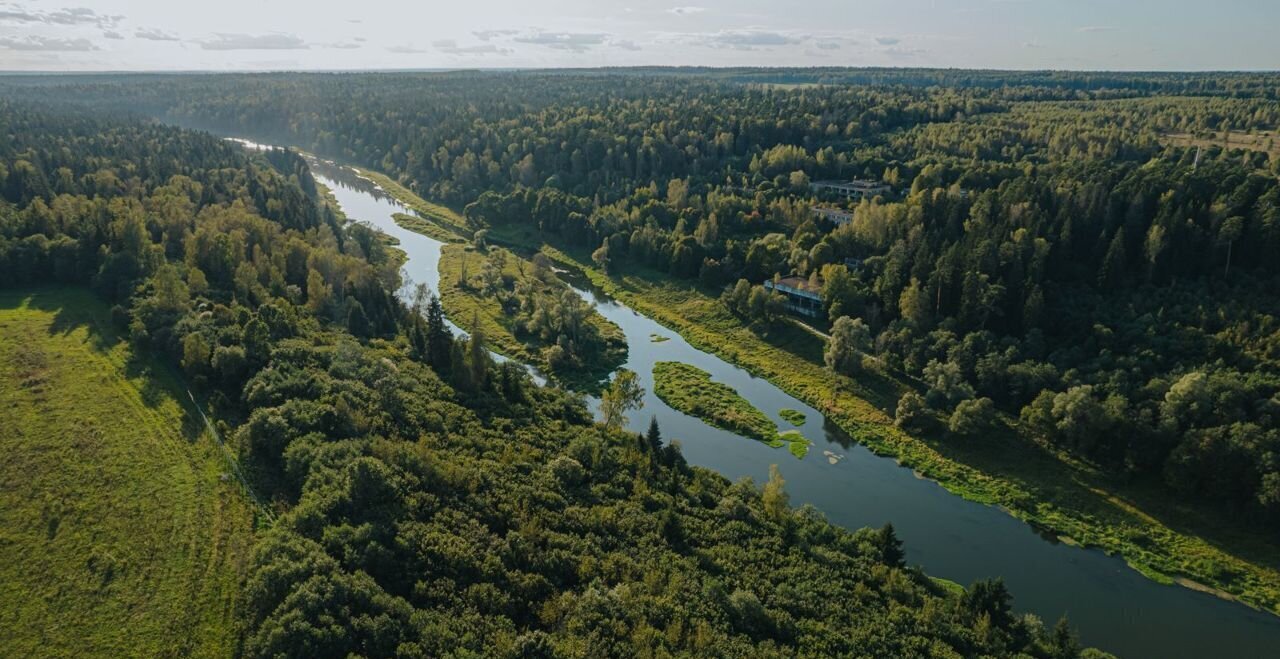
432,502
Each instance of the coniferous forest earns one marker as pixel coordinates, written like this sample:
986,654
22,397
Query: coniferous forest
1080,265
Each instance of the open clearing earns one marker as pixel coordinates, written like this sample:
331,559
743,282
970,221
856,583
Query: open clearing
1266,142
120,532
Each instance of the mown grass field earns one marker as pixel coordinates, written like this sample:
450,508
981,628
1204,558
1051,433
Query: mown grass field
1166,540
120,536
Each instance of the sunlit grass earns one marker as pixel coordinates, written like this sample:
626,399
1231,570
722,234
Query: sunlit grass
120,532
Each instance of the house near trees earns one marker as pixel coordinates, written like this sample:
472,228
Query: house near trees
855,189
802,296
836,216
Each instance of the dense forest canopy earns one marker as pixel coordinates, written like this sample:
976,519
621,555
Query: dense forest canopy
1084,260
432,502
1046,245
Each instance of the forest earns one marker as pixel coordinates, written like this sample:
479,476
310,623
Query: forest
419,499
1046,253
1049,265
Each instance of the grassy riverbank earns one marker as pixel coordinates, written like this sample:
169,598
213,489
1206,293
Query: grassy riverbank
428,228
120,532
1161,538
1168,541
432,211
468,304
690,389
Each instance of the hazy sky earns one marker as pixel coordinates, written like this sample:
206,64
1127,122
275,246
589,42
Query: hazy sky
323,34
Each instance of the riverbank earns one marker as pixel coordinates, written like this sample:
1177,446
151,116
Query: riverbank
1046,490
1169,542
439,213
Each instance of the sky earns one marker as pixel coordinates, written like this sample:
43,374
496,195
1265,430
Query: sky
221,35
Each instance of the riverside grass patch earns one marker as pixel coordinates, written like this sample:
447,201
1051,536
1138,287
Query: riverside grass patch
121,533
1081,505
691,390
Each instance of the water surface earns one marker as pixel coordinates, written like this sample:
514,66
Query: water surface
1114,607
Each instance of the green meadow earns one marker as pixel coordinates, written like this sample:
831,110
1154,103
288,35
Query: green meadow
121,531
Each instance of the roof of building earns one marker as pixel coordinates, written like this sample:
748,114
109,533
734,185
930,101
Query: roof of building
797,283
855,184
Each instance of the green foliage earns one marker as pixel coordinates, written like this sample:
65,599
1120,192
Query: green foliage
794,417
1048,250
850,337
123,531
529,315
623,395
690,389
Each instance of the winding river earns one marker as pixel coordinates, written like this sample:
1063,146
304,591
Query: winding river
1114,607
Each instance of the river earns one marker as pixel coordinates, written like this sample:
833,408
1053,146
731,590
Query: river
1113,606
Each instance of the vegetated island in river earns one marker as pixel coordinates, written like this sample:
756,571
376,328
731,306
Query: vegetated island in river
527,313
997,472
427,227
794,417
1072,508
690,389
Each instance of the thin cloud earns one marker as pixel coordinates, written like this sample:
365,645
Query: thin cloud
748,39
69,16
112,34
451,47
488,35
686,11
904,53
625,44
888,41
577,42
406,50
1096,28
152,34
825,44
47,44
255,42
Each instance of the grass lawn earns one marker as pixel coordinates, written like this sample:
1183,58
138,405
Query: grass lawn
119,533
690,389
1161,537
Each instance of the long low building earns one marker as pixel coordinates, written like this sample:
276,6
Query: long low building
854,189
836,216
802,297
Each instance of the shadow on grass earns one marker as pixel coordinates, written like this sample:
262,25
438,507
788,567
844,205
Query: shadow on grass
74,308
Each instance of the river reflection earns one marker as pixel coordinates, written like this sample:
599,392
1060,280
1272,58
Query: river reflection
1113,606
